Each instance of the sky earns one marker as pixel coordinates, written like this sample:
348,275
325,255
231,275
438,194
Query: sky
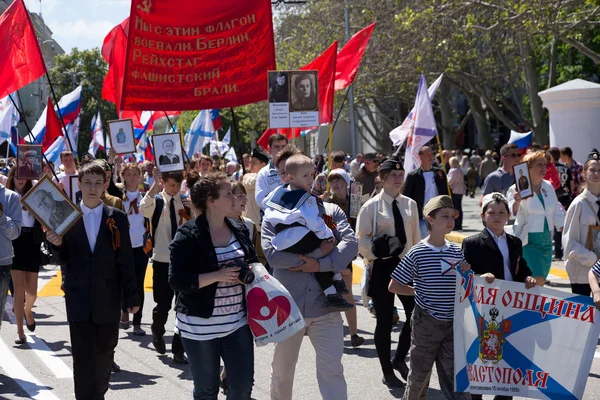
80,23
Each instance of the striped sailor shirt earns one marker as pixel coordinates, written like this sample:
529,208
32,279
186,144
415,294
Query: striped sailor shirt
434,276
229,312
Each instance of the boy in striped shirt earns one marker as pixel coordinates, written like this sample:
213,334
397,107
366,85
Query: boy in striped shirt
431,265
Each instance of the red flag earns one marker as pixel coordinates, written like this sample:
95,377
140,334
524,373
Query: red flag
350,56
110,39
325,64
115,44
53,128
21,62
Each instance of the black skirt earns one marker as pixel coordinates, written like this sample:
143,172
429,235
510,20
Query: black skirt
28,255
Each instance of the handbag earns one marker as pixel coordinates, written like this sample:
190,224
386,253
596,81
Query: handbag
368,267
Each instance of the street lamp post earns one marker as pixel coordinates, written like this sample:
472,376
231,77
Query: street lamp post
351,93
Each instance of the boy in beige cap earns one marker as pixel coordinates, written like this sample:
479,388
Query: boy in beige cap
431,264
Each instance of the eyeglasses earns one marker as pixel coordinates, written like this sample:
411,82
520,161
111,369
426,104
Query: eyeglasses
514,155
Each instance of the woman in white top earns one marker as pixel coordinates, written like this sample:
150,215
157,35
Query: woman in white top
396,222
537,216
211,311
581,215
26,261
456,180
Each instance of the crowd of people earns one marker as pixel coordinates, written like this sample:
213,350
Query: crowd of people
201,229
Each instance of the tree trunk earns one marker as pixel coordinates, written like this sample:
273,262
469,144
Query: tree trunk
484,137
448,134
540,132
552,63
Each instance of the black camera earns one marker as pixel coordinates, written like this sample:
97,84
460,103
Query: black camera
245,274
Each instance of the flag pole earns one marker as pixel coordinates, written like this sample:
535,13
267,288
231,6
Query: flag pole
33,137
329,140
437,136
173,130
237,136
60,115
339,113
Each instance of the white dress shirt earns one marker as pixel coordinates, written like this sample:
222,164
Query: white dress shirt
136,220
430,187
92,217
503,246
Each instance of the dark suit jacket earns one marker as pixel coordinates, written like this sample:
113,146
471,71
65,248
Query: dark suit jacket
94,281
164,160
25,172
414,186
482,252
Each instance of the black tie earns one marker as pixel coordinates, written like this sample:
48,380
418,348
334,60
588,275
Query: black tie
598,202
173,217
398,223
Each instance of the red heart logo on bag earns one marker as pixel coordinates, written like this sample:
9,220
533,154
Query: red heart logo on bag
260,308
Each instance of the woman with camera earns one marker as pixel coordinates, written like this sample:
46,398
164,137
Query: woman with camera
211,310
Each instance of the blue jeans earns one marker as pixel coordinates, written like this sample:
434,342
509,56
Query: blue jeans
4,282
237,351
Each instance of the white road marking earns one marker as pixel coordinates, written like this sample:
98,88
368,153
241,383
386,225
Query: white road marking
16,371
41,350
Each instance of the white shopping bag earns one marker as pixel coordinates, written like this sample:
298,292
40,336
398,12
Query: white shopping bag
273,316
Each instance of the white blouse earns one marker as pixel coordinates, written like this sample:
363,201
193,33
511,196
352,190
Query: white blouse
533,213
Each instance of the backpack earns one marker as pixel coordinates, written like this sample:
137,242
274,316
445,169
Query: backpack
152,224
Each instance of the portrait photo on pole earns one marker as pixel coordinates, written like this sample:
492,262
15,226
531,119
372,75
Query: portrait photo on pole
522,180
168,152
304,99
122,138
29,161
51,207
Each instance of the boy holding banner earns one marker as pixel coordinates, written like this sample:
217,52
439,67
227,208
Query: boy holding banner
431,265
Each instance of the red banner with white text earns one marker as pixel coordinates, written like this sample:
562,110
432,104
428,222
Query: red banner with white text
184,55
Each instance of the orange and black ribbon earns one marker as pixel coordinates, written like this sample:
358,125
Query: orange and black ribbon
183,215
133,207
329,221
116,235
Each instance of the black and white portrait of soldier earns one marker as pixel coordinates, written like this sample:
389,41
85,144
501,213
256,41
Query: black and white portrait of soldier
168,157
304,92
279,87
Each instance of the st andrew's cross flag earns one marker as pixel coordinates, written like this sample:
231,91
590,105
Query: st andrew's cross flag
512,341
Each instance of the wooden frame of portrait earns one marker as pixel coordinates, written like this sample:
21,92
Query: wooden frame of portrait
74,179
593,231
110,136
173,136
23,148
25,198
516,168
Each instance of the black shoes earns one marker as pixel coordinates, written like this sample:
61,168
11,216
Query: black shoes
180,359
356,340
392,381
335,302
159,343
400,366
115,367
340,287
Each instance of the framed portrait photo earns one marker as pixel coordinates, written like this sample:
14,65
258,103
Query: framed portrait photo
122,138
29,161
51,207
168,152
522,180
304,91
594,239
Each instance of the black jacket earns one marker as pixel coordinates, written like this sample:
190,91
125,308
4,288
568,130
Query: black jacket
414,186
93,282
192,253
482,252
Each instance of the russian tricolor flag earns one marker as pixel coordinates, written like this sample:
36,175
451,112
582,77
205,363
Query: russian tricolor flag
70,107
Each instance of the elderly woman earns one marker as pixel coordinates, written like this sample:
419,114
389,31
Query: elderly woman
536,216
339,180
456,180
387,227
211,311
582,213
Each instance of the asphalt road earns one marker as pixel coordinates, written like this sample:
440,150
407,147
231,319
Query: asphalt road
42,369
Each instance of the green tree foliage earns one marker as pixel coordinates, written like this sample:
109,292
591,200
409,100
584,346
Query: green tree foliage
87,68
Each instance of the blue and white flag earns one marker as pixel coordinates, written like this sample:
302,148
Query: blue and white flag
522,140
97,141
511,341
9,118
53,152
227,137
398,135
73,131
423,130
200,133
217,147
230,155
